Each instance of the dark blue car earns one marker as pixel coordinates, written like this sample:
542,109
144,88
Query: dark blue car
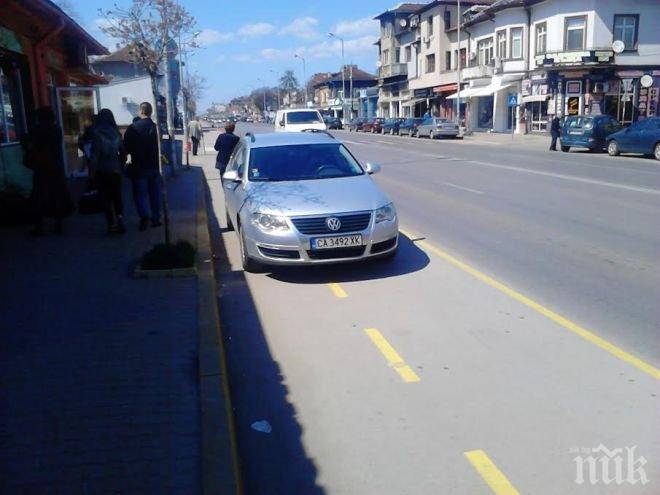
391,126
409,126
587,131
641,137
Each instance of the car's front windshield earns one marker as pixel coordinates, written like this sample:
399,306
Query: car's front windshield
302,162
304,117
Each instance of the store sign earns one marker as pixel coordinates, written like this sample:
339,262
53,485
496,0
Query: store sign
573,105
652,107
539,89
423,93
573,87
526,87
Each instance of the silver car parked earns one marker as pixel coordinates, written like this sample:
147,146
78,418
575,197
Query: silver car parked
433,127
303,198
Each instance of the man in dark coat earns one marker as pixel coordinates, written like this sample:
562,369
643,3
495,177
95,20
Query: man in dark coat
141,142
555,131
225,145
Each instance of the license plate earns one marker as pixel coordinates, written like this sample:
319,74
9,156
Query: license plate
575,132
336,242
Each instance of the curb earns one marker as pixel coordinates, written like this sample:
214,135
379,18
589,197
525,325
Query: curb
220,474
167,273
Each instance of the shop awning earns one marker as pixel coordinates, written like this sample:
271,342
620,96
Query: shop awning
491,89
534,98
465,93
411,103
445,88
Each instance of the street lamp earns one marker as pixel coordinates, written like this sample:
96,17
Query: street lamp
304,74
343,79
184,97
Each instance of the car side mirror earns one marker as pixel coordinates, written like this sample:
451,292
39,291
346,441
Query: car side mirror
231,176
281,123
372,168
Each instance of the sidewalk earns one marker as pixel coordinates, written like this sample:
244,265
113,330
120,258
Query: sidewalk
536,140
99,372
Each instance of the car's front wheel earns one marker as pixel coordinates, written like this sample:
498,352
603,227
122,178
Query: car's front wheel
249,265
431,135
613,148
656,151
566,149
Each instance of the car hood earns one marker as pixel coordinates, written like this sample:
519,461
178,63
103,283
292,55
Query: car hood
315,197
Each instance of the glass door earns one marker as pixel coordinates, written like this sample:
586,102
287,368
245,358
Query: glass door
76,108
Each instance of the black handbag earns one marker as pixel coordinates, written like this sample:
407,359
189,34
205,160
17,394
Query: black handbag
91,202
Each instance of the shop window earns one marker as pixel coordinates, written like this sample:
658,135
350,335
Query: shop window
12,122
575,33
625,29
516,42
501,44
541,38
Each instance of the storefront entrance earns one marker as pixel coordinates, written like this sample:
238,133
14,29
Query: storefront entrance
76,107
538,115
485,112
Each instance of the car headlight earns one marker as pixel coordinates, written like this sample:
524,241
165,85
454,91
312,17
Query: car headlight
386,213
270,223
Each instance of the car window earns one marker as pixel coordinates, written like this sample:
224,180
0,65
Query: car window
302,162
427,121
304,117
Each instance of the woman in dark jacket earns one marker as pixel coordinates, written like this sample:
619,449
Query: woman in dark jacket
43,154
106,166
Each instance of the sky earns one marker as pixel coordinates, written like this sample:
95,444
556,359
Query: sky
248,44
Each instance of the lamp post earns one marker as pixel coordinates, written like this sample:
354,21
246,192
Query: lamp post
343,79
263,113
278,89
184,96
304,74
458,65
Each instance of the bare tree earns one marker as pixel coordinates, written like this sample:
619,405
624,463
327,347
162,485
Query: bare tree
148,28
195,87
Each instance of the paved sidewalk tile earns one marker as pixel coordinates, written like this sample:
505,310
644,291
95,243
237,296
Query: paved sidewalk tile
98,371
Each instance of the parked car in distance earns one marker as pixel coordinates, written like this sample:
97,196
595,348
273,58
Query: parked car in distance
373,125
296,120
333,122
356,124
391,126
302,198
409,126
587,131
433,127
640,137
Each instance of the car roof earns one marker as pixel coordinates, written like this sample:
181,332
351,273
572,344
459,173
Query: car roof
291,110
269,139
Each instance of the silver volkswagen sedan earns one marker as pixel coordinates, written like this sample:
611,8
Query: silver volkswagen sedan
303,198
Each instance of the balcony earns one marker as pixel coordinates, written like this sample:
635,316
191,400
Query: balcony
393,70
477,72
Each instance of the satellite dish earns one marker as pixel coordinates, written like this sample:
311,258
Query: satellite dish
402,23
646,81
618,46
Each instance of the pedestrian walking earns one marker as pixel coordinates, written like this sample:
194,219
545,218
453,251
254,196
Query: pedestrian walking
225,145
107,160
43,154
555,131
196,134
141,143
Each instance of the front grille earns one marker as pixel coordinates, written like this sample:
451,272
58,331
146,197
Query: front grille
339,253
379,247
288,254
354,222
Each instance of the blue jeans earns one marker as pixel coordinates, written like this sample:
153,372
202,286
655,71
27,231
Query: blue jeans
147,192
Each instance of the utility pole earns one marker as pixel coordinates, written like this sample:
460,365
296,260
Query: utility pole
351,89
458,65
343,76
304,76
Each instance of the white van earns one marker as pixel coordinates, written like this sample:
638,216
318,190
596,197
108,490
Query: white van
298,119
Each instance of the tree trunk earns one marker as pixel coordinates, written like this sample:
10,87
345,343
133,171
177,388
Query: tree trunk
169,109
166,208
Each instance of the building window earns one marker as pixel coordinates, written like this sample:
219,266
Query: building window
501,44
408,53
485,49
12,123
541,38
397,55
516,42
386,57
625,29
575,33
429,29
447,60
430,63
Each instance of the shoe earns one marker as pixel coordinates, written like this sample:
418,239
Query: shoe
156,223
144,223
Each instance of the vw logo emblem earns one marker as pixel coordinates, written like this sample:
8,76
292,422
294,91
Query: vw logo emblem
333,223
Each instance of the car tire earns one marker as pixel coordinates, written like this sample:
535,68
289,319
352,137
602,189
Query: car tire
230,225
249,265
431,135
566,149
613,148
418,135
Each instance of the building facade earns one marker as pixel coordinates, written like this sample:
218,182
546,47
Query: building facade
329,92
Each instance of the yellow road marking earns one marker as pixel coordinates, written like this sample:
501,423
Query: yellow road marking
587,335
338,291
393,358
489,472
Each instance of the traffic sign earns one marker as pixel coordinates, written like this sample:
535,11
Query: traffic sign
513,101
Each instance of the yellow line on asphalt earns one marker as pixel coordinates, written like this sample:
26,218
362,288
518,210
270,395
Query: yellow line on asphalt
587,335
393,358
338,291
489,472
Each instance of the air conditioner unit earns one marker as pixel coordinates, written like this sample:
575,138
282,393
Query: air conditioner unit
601,87
414,21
